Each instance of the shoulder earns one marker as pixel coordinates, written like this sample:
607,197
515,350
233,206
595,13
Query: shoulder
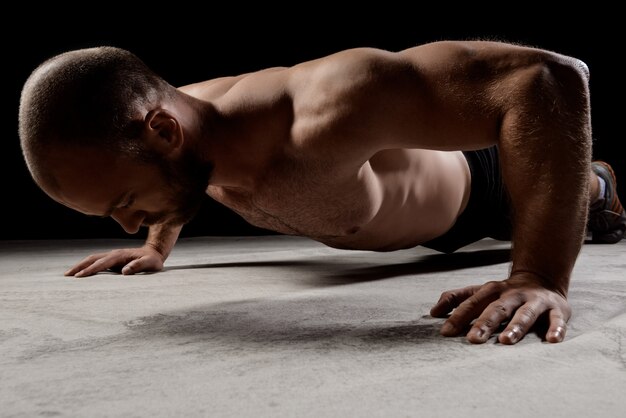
216,88
340,69
341,80
345,67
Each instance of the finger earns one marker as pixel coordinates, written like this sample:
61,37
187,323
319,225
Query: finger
558,326
144,263
492,318
523,320
450,300
87,261
135,266
470,309
99,265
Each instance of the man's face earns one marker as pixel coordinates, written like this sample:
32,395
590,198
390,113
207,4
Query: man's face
134,193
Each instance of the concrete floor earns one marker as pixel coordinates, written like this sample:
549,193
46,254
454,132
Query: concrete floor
282,326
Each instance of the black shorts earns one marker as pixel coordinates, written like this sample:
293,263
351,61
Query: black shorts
487,214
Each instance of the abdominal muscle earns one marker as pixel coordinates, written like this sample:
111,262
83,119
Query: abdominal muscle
421,194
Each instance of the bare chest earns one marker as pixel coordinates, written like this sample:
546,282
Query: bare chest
297,200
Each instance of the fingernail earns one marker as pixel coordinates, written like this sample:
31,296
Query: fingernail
512,336
448,329
557,335
79,274
126,270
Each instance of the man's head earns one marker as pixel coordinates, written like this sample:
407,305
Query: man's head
97,125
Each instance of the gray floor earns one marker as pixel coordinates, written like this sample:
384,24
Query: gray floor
282,326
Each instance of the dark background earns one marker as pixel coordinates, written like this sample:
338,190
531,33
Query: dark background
231,42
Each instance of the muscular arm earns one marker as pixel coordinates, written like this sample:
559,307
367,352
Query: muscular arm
540,103
544,144
467,95
545,148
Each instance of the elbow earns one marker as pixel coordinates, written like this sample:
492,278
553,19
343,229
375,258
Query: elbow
550,101
569,101
582,67
555,89
549,83
568,79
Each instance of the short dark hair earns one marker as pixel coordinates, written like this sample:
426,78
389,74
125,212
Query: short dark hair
87,97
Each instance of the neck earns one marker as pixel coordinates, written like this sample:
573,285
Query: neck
236,143
199,120
227,143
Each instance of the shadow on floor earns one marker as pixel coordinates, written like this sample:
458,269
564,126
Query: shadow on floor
274,323
435,263
318,321
335,271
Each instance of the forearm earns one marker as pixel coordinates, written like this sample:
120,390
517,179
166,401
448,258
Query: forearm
549,219
162,238
545,147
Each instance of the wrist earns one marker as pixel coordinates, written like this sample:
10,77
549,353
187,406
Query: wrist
558,284
158,249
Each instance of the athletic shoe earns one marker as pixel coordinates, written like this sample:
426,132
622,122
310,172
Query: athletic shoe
607,218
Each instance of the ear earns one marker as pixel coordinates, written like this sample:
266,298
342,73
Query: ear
163,132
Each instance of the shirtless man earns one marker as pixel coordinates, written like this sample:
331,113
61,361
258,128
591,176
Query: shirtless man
438,145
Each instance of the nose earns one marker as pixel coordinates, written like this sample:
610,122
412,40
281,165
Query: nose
130,221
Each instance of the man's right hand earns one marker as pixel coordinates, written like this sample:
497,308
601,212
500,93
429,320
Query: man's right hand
128,261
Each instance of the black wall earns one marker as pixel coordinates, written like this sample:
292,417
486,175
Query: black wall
218,44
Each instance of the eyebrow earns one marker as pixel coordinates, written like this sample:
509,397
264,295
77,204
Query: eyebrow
114,205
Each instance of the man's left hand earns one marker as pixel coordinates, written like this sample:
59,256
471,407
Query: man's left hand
521,300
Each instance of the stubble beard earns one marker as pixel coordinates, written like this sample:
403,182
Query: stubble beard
187,180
